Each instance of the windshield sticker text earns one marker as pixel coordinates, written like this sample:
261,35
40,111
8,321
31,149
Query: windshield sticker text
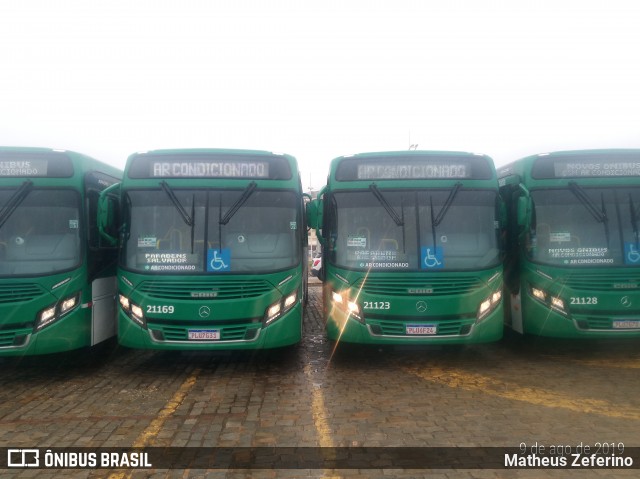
168,261
147,242
356,242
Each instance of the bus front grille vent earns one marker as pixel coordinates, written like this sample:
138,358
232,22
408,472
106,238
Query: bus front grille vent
209,290
19,293
420,287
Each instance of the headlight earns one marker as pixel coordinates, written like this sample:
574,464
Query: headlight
353,308
132,310
488,305
290,300
337,297
484,307
124,302
136,312
539,294
52,313
273,311
557,303
341,301
46,316
552,302
279,308
68,304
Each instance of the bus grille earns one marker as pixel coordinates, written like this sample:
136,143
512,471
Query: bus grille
14,337
434,286
209,290
604,282
18,293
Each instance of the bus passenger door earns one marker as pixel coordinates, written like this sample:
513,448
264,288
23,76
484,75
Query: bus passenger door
103,311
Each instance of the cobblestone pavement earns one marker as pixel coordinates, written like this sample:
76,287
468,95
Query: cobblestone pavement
503,394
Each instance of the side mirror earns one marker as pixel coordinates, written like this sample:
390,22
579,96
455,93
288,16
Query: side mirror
108,214
312,214
524,206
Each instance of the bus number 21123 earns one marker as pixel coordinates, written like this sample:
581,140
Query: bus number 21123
377,305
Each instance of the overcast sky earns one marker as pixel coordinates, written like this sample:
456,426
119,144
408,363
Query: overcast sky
320,79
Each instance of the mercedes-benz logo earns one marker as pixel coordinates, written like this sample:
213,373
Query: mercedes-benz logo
625,301
204,312
421,306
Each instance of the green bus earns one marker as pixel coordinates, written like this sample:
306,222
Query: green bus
411,248
57,279
572,267
212,249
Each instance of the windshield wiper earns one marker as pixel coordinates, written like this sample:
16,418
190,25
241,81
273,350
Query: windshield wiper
447,203
383,201
436,220
189,220
238,204
185,216
600,215
15,200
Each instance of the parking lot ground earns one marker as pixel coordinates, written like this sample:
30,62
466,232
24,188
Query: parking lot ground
517,391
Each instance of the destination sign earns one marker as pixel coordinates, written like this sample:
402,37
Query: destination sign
395,171
589,169
592,166
23,168
209,166
414,168
40,164
212,169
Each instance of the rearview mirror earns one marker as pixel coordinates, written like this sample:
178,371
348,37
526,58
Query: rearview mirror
108,214
524,204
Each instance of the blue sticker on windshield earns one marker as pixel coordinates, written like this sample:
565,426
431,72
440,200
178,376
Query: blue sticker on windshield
631,253
219,260
431,257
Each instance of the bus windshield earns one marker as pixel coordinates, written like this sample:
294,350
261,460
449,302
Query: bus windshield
42,234
582,226
439,229
193,231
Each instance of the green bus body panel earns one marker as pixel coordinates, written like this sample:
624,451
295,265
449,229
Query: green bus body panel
237,309
448,300
595,297
237,312
452,307
23,297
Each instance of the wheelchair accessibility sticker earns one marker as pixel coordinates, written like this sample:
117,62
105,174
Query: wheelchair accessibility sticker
218,260
431,257
631,253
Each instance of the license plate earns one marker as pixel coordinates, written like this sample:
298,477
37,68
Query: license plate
203,334
421,329
626,324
